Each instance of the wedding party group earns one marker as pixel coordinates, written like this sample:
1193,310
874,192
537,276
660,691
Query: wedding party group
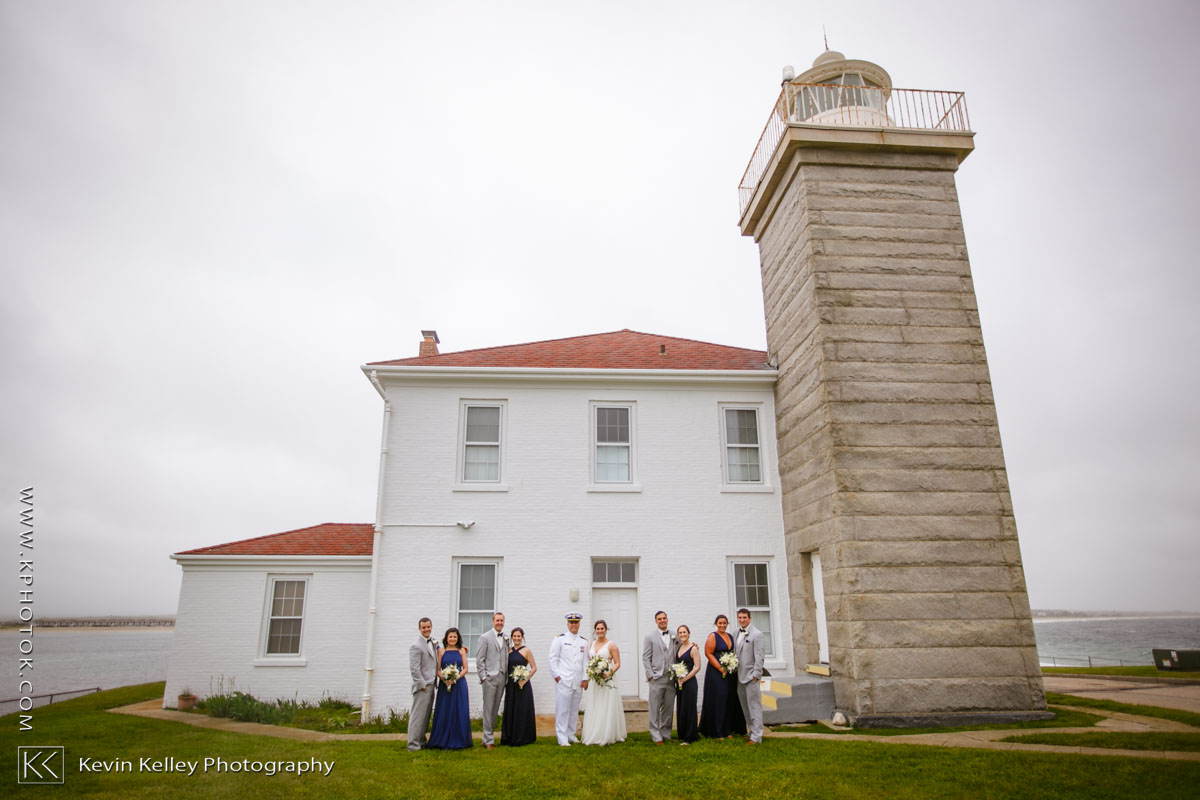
584,679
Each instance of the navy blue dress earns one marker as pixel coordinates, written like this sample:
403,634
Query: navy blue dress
451,714
685,701
519,725
721,715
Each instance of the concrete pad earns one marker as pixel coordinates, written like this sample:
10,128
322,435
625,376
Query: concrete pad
1185,697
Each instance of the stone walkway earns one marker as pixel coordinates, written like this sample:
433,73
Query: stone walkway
1186,697
988,740
1183,696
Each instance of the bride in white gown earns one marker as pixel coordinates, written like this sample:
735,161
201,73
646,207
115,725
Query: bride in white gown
603,712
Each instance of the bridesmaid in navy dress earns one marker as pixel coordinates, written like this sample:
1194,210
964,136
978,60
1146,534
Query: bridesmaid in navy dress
451,715
685,699
721,716
519,725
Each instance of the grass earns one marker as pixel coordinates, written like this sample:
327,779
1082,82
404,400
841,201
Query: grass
1118,740
1186,717
1063,718
1146,671
779,768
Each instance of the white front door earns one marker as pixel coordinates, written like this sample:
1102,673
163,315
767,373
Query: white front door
618,608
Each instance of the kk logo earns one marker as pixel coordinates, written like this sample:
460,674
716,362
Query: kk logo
45,764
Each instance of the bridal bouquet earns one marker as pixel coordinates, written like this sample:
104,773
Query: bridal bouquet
730,662
520,673
450,674
600,670
679,671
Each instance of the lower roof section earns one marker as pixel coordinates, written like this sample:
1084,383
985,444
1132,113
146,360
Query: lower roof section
326,539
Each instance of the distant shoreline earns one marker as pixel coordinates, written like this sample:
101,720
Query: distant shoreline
1057,614
96,628
1110,618
90,623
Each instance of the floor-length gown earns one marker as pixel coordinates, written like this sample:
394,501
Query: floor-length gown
451,714
603,711
721,714
519,725
685,700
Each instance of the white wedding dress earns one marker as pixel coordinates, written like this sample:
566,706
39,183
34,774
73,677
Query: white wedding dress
603,712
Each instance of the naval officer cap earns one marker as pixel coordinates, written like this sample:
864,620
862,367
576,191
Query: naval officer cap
574,617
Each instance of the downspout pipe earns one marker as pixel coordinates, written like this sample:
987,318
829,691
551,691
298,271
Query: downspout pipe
369,662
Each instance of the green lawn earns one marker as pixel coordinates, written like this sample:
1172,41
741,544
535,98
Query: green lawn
1147,671
1186,717
1117,740
727,769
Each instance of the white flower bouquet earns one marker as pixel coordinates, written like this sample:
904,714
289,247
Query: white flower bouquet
730,662
600,670
450,673
520,674
679,671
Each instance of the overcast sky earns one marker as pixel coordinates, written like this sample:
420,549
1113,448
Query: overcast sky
211,213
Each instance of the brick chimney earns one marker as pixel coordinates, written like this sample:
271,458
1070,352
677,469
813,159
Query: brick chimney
429,343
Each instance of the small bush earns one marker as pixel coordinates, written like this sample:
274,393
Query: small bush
247,708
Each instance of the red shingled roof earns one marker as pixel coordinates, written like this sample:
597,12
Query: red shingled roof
623,349
328,539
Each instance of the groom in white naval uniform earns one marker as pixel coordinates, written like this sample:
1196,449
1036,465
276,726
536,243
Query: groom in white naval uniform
568,664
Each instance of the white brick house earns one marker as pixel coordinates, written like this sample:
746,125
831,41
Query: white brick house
614,475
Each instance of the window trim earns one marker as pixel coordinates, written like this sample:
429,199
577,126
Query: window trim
595,485
298,658
637,571
456,582
769,561
723,411
763,484
461,484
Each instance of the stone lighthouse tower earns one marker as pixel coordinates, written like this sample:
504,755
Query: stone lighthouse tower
905,573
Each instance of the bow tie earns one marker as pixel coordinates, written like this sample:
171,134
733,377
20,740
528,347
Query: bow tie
741,630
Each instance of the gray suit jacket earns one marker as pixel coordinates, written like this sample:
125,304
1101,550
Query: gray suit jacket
751,653
422,663
491,657
656,659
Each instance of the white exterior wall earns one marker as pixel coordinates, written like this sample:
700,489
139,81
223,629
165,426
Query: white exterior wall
221,626
683,526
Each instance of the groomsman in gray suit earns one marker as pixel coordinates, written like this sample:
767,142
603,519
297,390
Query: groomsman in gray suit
751,652
658,654
491,662
422,663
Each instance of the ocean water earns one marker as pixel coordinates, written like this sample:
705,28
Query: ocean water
1112,640
66,659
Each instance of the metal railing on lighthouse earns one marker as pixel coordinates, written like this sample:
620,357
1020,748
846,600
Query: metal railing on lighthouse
851,106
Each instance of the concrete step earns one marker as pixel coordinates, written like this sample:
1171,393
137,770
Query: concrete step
634,703
799,699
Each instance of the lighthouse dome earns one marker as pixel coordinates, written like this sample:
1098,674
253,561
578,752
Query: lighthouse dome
840,91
